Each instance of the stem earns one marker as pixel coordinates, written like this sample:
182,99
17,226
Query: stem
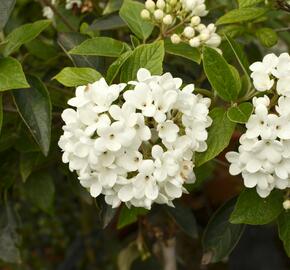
284,29
169,254
55,11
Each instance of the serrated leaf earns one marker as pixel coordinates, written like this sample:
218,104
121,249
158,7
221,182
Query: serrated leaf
267,36
241,113
34,107
284,230
184,218
148,56
9,237
23,34
241,15
11,75
128,216
115,67
254,210
6,8
100,46
73,76
39,189
130,13
220,236
219,74
249,3
183,50
219,136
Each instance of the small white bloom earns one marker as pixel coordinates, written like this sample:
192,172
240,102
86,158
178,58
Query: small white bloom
175,39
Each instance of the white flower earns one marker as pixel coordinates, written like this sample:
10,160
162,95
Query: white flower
71,3
128,145
175,39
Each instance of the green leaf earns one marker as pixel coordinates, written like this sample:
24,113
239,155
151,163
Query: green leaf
267,36
284,230
236,75
115,67
39,189
254,210
34,107
73,76
219,135
108,22
24,34
28,161
241,15
183,50
239,54
100,46
240,113
1,112
112,5
232,30
130,13
148,56
249,3
220,75
11,75
220,236
6,8
129,216
68,41
9,237
184,218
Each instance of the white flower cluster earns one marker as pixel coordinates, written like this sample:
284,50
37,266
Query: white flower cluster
169,13
47,12
135,146
263,158
272,67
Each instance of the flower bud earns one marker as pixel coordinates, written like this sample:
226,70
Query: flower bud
173,2
188,32
211,28
145,14
286,204
160,4
195,21
175,39
200,10
150,5
158,14
214,41
204,35
194,42
200,27
168,19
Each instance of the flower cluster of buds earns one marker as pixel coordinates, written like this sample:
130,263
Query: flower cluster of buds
47,12
263,158
181,20
136,145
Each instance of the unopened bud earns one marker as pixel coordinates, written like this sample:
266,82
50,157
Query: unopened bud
188,32
194,42
158,14
195,21
150,5
286,204
160,4
145,14
175,39
167,19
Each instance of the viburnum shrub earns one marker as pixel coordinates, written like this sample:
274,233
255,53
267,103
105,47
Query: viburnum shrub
128,125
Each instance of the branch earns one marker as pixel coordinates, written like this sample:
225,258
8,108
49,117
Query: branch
169,254
55,11
283,5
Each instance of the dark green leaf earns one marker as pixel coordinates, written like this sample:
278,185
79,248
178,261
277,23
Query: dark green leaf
284,230
219,135
67,41
24,34
148,56
9,237
129,216
105,212
220,75
184,219
39,189
11,75
233,30
220,236
241,15
115,67
112,6
109,22
28,160
183,50
73,76
240,113
130,13
6,8
249,3
267,36
34,107
100,46
254,210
